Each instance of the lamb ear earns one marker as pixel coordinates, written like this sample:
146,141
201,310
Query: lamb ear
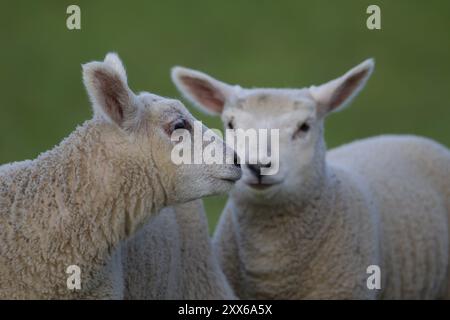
336,94
108,90
114,61
203,91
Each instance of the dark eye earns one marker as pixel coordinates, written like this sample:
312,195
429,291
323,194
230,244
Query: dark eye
301,130
180,124
230,124
170,127
304,127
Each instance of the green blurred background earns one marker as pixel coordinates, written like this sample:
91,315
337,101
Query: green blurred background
253,43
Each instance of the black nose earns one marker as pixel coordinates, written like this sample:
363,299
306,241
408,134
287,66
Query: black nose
236,161
256,168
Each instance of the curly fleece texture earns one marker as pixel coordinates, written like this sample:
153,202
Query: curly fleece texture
384,201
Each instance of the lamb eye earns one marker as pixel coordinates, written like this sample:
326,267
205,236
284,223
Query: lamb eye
180,124
170,127
304,127
301,130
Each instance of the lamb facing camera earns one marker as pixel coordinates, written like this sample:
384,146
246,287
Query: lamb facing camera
312,230
75,204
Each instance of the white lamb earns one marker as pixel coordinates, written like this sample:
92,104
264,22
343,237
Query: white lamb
75,204
313,229
171,257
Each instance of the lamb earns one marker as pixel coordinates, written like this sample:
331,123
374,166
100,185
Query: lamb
312,230
171,257
77,203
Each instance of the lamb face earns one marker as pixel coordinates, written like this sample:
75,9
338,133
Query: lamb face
140,127
298,114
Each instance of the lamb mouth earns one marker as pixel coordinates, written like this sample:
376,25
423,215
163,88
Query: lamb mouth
262,186
233,180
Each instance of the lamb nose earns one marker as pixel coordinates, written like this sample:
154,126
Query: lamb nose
256,168
267,165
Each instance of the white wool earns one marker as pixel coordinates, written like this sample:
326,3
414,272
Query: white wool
71,206
77,203
385,202
327,217
171,257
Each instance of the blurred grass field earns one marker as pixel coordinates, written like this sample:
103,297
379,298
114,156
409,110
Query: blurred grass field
253,43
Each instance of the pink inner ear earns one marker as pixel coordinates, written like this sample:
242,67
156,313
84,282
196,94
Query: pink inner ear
205,93
346,89
113,93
